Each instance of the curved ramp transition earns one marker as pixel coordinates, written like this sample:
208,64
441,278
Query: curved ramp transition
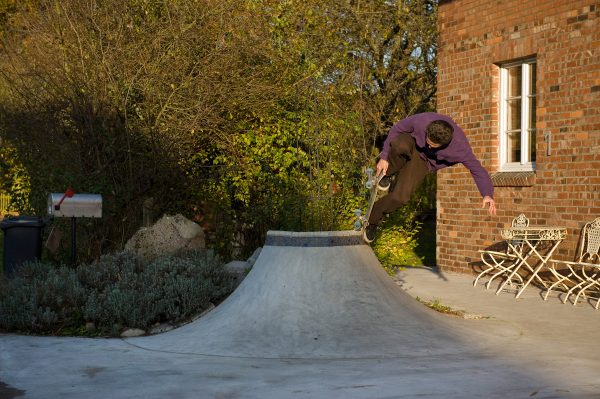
315,295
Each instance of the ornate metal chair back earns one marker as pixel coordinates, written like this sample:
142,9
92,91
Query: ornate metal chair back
517,222
520,221
590,248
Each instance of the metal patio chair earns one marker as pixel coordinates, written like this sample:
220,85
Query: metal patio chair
501,262
582,276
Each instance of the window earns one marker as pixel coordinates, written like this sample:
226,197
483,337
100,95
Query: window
517,116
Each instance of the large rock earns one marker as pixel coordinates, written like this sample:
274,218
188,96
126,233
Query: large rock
170,234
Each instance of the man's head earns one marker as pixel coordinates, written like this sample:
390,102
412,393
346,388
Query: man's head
439,134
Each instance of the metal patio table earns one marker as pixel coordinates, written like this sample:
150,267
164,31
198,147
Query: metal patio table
538,244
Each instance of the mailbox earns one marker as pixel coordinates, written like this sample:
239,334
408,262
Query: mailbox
76,206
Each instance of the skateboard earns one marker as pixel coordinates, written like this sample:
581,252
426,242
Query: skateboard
362,220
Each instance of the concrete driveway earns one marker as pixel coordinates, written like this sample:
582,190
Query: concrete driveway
317,317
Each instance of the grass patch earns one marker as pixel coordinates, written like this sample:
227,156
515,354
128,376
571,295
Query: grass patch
439,307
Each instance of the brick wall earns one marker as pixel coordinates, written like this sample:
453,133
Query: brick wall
477,35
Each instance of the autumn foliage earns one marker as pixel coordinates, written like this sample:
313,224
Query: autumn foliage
242,115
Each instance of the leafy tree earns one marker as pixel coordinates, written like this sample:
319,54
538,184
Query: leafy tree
7,8
247,115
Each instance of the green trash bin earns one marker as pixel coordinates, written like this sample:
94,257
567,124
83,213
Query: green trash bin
22,241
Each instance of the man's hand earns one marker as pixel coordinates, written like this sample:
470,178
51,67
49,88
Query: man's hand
489,200
382,167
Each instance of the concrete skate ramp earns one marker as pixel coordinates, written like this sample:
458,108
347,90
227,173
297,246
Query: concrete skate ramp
315,295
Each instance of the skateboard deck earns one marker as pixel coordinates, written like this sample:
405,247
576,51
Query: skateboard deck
362,220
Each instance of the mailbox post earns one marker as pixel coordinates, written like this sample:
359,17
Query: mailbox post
74,206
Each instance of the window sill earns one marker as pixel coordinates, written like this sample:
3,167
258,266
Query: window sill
513,179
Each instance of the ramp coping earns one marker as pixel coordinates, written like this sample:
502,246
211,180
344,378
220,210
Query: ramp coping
314,238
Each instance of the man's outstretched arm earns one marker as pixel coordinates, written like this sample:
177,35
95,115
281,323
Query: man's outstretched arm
483,183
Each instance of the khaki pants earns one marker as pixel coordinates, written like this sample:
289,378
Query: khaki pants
410,170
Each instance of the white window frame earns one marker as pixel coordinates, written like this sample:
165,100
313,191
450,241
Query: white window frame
525,164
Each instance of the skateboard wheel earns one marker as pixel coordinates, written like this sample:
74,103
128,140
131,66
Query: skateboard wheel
369,184
357,225
357,212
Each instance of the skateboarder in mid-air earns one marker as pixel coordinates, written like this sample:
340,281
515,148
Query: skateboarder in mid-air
415,146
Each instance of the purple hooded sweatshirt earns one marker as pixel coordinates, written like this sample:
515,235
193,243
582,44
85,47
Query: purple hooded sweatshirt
458,151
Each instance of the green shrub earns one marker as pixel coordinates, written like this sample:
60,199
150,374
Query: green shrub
119,289
396,240
125,290
41,298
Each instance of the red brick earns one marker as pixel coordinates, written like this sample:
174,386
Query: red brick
474,37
